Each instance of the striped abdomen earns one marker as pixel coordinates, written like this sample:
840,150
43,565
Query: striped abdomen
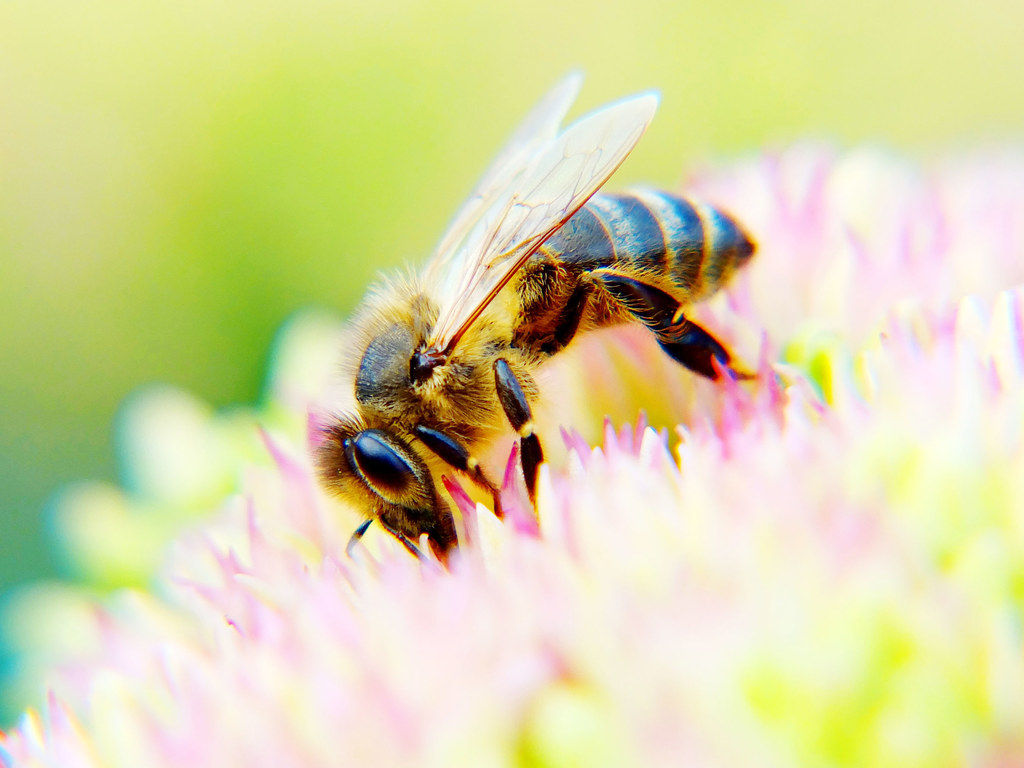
688,249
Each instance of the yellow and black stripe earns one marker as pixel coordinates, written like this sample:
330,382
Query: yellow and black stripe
683,246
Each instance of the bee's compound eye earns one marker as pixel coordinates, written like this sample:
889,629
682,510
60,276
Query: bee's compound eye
381,462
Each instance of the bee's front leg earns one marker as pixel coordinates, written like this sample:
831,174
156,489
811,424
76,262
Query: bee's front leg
457,455
359,532
440,550
517,409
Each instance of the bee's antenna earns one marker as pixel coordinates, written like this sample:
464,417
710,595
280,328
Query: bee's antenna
357,534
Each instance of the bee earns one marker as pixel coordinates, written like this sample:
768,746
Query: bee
444,361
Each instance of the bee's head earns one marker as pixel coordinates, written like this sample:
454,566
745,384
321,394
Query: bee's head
379,470
375,463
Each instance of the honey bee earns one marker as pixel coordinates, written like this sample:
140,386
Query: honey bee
443,361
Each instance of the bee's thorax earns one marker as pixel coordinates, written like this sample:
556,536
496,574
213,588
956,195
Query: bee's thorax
423,363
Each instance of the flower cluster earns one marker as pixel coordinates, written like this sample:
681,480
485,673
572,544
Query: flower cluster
822,566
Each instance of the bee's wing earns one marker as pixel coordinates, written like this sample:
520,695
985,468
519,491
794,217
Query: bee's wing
539,127
528,206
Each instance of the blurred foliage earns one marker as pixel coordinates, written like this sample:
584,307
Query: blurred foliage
176,178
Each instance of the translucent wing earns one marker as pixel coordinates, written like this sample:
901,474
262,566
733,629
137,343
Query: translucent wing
528,200
539,127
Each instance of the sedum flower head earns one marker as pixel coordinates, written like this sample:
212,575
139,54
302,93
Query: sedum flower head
820,567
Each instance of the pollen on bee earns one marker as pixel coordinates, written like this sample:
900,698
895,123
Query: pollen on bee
472,464
526,430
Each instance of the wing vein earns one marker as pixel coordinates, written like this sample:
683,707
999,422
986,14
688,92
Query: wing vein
534,186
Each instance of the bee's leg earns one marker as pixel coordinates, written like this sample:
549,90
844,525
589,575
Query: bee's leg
517,409
457,455
572,313
408,544
683,340
357,534
404,539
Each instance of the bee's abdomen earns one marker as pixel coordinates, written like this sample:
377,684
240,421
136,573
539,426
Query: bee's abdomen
687,246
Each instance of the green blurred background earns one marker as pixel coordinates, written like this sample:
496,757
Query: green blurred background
176,178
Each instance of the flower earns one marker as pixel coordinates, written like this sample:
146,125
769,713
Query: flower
819,567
